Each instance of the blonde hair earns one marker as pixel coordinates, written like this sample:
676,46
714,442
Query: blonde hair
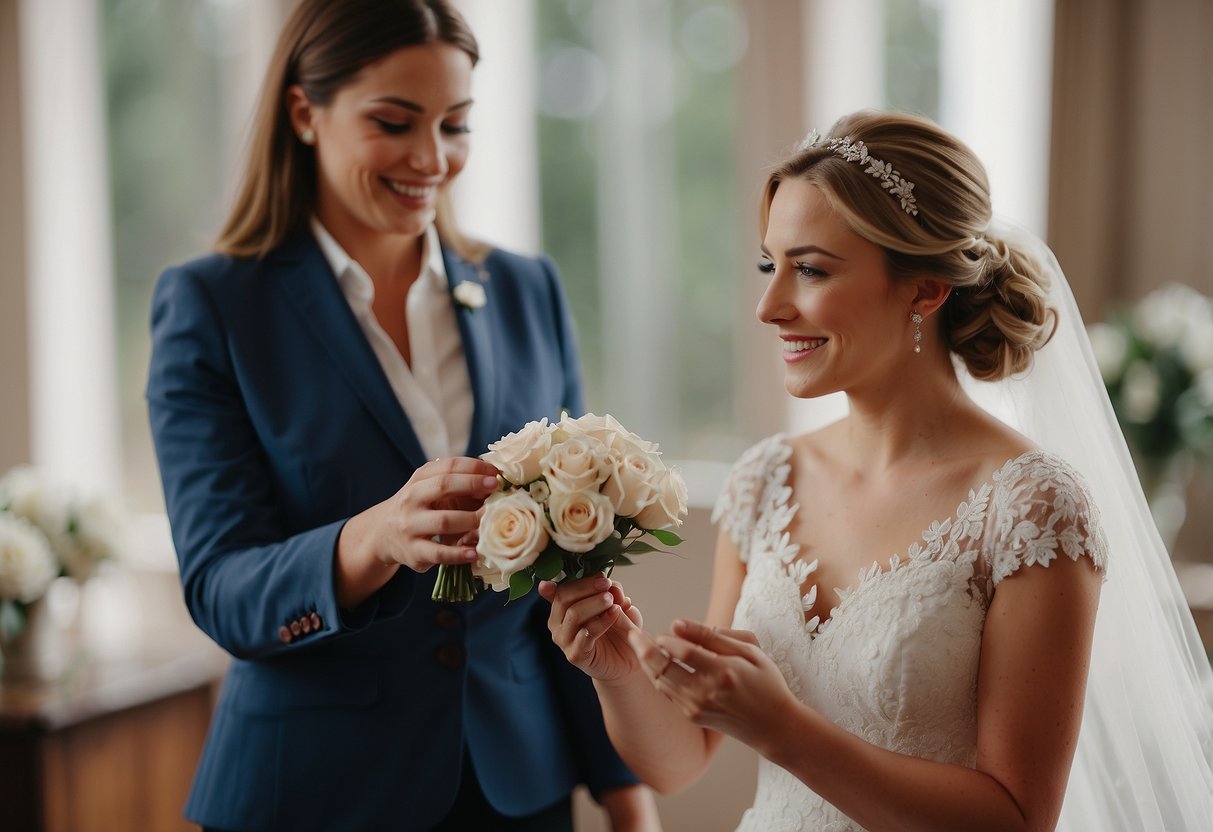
323,46
996,316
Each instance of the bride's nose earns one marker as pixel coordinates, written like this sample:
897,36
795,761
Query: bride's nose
775,305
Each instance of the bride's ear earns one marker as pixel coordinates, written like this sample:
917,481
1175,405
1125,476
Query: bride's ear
930,295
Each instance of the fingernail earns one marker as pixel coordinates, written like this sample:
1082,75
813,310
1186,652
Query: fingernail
601,583
489,482
470,554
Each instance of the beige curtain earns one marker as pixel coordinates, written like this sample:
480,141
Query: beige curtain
1131,184
1131,181
14,331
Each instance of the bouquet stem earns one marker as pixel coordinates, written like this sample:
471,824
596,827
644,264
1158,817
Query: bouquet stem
455,583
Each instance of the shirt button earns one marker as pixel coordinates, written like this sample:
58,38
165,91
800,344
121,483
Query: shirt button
446,618
451,655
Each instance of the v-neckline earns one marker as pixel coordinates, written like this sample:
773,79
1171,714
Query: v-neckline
816,625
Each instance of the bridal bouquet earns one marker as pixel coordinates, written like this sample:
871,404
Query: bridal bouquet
576,498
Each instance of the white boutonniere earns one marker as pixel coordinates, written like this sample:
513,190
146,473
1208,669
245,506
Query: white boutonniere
470,295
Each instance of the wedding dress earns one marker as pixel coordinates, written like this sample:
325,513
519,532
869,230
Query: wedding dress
896,662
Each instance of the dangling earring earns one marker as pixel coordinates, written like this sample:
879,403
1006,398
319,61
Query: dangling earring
308,136
917,319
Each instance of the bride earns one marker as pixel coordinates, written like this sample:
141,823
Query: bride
922,616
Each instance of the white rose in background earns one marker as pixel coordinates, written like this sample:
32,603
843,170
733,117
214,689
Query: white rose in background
1153,355
577,464
27,564
633,481
580,520
1111,347
83,529
512,532
519,455
670,506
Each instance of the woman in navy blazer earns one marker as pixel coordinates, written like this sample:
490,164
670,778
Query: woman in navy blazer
305,514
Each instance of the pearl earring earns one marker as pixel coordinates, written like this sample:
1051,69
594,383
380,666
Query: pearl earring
308,136
917,319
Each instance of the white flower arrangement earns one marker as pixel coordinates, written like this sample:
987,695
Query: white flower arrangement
470,295
1156,359
576,498
46,531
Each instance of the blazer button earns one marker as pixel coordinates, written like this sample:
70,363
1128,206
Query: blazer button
447,618
284,635
451,655
296,627
305,624
316,622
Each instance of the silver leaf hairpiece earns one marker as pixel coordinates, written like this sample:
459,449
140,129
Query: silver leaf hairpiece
889,178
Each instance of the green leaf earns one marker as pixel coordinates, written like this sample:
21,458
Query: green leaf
623,560
667,537
639,547
520,584
548,565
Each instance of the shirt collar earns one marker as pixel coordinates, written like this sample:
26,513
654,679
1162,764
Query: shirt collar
354,279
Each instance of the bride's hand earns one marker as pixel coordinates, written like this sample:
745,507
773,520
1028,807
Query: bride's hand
589,621
721,679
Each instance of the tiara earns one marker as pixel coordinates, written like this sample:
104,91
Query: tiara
890,179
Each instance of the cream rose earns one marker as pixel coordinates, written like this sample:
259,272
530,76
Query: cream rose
633,481
670,505
580,463
607,430
512,532
491,575
518,456
580,520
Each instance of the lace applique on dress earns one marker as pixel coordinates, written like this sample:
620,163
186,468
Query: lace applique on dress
1042,508
755,495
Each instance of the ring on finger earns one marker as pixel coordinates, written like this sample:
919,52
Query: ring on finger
669,660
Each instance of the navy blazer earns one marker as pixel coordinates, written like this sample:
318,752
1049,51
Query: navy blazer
273,424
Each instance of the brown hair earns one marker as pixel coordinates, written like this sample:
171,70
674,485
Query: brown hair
323,46
996,316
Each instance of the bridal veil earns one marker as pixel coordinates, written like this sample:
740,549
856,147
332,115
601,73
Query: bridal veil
1145,753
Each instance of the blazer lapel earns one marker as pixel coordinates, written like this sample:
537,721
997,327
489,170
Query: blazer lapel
475,328
310,287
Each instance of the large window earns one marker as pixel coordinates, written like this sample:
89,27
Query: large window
637,123
628,116
180,81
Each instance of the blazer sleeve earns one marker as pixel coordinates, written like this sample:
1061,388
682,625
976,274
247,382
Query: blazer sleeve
244,577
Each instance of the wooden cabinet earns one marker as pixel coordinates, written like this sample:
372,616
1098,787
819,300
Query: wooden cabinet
111,745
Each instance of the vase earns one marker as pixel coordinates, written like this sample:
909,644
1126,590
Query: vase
1165,482
45,647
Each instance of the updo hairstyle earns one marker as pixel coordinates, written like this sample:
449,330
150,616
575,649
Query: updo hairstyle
996,316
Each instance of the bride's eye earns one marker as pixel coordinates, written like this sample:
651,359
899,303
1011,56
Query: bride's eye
766,267
807,270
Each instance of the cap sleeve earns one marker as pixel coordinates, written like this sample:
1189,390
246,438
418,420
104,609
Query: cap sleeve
1042,509
757,482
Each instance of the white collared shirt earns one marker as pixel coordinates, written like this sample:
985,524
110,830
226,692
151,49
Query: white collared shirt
436,392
